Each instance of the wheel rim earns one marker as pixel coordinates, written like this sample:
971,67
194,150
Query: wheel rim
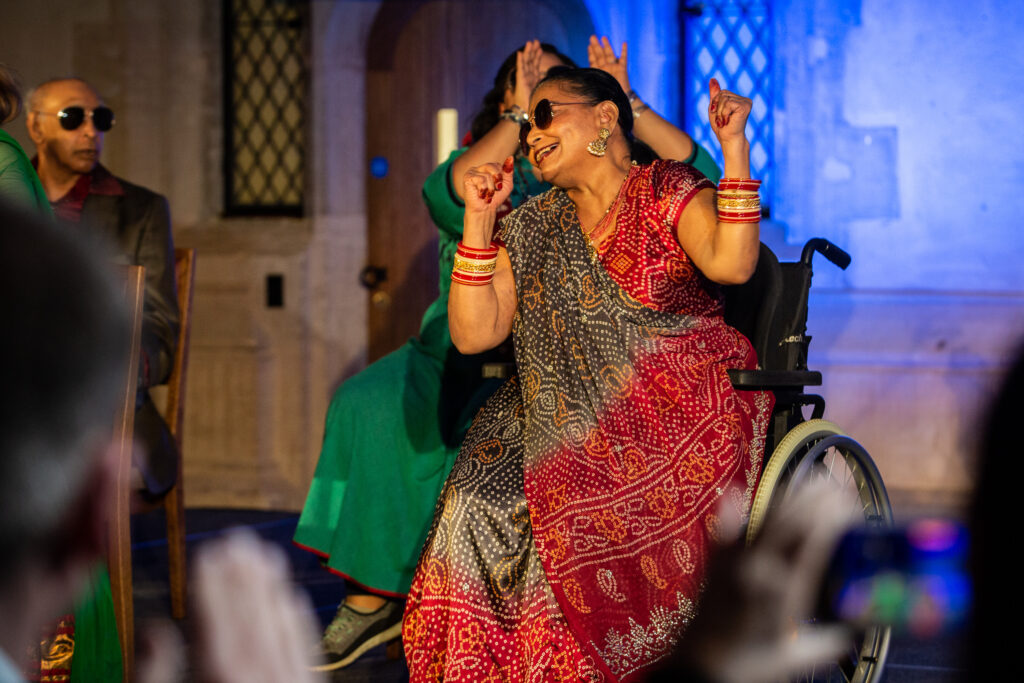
839,461
818,450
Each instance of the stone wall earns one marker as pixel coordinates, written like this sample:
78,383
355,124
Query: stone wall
888,126
894,139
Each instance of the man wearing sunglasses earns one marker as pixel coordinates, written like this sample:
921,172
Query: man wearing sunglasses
67,120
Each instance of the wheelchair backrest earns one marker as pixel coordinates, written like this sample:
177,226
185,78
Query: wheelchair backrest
771,310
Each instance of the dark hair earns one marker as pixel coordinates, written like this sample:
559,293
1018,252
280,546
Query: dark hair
488,116
63,361
599,86
10,95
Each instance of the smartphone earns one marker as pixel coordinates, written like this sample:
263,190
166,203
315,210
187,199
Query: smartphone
914,578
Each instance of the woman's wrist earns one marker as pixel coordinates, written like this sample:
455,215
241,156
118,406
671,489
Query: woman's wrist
477,229
636,104
515,114
507,131
736,158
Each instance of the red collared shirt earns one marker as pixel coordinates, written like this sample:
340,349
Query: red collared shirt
97,181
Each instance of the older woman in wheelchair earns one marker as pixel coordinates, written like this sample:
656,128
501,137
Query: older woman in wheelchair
571,538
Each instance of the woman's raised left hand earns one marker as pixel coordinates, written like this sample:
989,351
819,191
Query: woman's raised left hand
527,73
601,55
728,114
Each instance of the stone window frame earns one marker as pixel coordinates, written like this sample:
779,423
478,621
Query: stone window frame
265,106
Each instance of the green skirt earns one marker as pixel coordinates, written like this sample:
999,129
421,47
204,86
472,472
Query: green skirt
97,657
390,439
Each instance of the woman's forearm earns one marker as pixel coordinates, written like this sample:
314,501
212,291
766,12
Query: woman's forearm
736,248
667,140
500,142
736,159
475,312
725,252
480,317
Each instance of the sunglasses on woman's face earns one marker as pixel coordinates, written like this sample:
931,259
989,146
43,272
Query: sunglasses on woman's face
72,117
541,118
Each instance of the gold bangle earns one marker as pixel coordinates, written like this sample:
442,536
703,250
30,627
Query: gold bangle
470,267
736,203
738,193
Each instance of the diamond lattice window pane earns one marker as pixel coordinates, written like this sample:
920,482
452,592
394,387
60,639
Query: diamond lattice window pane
731,40
265,84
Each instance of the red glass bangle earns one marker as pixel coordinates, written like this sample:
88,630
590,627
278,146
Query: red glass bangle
478,254
738,214
740,219
473,280
738,184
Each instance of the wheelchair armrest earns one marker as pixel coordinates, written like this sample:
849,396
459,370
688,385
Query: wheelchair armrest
772,379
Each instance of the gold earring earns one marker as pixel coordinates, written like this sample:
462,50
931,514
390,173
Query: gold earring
599,146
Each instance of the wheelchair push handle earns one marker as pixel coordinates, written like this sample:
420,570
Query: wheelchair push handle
826,249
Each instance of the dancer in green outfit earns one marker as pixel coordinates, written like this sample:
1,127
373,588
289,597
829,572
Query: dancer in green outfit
394,429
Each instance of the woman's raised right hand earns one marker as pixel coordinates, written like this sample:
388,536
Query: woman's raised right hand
485,188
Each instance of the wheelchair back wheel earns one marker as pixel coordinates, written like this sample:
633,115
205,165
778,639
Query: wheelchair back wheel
819,450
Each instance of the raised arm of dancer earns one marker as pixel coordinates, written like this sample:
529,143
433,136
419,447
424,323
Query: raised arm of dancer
725,252
480,316
668,141
503,140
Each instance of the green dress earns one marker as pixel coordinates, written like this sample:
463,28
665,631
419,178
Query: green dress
394,429
96,654
19,183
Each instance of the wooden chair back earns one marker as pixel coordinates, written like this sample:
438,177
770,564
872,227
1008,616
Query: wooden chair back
119,555
174,414
119,548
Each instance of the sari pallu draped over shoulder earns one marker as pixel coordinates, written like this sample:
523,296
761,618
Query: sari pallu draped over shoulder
625,435
633,434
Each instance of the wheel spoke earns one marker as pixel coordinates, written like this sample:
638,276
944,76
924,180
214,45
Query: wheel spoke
817,450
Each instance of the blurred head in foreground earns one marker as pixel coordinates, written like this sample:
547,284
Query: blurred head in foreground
64,344
991,524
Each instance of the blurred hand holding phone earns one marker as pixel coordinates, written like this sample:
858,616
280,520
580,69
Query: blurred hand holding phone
914,578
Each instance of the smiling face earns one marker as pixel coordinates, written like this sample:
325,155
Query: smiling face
561,148
68,151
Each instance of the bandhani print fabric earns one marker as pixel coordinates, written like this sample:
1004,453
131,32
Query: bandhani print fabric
571,538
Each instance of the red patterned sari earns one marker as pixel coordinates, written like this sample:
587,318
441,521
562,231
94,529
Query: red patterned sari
571,537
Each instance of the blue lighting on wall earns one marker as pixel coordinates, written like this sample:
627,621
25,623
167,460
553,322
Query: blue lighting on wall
891,131
732,41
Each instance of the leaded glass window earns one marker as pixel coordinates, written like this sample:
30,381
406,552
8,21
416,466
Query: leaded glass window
732,40
265,90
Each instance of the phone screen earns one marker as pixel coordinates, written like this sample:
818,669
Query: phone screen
914,578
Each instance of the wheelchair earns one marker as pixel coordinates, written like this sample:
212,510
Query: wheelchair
771,310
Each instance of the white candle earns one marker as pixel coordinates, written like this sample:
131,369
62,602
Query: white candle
447,133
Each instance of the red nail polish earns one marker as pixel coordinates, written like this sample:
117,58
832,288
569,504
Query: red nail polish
713,106
497,186
508,165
